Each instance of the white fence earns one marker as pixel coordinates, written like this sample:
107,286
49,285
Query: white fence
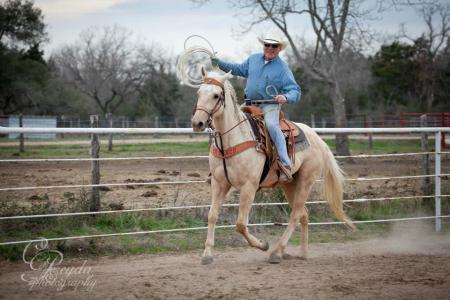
437,176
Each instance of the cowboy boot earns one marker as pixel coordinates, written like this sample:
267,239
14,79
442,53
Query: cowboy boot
285,174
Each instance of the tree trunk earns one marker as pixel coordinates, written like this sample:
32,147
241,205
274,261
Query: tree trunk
342,143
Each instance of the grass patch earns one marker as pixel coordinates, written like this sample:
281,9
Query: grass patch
119,150
188,148
382,146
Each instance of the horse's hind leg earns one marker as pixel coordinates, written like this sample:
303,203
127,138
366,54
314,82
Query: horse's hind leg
297,193
304,220
247,195
219,192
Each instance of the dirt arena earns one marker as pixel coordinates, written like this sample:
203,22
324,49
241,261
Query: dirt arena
401,267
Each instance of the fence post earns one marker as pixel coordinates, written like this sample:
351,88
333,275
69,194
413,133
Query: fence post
426,186
95,166
313,121
21,136
156,122
63,124
109,119
370,125
437,179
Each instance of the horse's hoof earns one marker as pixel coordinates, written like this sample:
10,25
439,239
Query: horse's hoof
289,256
206,260
274,258
265,246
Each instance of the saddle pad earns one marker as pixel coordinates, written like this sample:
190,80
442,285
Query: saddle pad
300,141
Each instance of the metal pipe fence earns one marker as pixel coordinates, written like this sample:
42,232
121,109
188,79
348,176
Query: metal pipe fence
437,176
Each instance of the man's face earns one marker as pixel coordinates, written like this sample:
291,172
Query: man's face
271,51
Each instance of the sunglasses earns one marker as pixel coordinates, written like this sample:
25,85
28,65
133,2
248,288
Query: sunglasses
274,46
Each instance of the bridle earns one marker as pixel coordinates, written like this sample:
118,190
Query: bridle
220,101
217,135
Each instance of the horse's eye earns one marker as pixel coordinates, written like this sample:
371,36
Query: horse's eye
216,96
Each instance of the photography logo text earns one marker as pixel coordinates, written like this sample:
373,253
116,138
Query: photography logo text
47,269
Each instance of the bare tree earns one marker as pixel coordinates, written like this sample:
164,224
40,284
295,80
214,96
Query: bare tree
335,23
100,65
437,20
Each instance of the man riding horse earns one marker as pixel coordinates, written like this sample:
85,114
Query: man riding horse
267,74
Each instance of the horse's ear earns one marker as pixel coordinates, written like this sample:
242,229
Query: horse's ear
227,76
203,71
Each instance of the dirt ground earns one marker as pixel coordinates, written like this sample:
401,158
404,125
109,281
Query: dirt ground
141,171
403,266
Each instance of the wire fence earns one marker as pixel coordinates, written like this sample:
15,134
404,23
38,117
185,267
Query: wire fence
437,176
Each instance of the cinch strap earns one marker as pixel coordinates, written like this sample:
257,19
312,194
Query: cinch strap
232,150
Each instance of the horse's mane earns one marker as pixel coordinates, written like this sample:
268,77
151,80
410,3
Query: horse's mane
230,93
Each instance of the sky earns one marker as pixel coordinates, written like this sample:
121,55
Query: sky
169,22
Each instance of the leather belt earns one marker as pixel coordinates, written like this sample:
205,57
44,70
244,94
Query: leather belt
250,102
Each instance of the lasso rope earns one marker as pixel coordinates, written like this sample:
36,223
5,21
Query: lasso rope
189,62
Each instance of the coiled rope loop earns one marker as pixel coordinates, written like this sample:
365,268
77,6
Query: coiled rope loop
191,60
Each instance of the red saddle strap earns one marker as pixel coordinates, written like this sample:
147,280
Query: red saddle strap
232,150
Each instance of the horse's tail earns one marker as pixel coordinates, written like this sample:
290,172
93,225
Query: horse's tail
333,186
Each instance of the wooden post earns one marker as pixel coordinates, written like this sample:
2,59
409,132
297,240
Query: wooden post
63,124
109,119
156,122
370,125
21,136
426,186
313,121
95,167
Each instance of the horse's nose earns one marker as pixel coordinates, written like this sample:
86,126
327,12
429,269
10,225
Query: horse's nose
198,125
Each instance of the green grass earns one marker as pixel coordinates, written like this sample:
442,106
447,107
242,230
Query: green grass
382,146
188,148
119,150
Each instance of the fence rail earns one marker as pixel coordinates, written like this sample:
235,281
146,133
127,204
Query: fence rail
5,130
437,131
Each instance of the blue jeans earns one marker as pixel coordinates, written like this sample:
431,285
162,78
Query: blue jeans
272,119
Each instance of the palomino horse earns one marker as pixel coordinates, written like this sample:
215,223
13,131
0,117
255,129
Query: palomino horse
217,108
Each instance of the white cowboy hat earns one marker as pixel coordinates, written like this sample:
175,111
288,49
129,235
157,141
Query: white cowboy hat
274,37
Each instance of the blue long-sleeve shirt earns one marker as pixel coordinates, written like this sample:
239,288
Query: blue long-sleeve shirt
261,74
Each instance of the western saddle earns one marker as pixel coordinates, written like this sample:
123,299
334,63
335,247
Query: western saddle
295,141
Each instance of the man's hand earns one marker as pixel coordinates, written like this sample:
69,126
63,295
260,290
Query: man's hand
214,61
280,99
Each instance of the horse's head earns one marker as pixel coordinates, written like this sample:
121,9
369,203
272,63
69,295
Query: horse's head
211,99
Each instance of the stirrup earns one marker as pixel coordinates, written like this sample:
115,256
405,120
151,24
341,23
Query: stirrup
285,174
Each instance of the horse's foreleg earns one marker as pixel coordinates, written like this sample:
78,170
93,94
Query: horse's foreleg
247,196
219,192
